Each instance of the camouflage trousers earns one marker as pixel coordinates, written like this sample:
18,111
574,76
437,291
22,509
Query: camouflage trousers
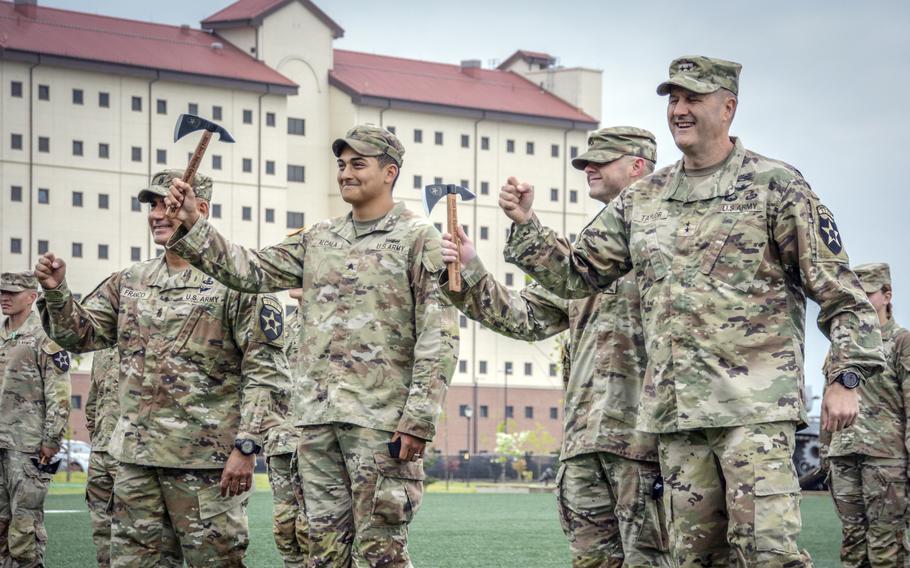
359,500
22,490
163,516
608,513
289,524
733,496
99,497
870,495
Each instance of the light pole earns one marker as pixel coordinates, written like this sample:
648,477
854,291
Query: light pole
505,410
468,413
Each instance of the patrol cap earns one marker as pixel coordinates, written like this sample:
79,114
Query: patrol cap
608,144
161,185
370,140
702,75
18,281
874,276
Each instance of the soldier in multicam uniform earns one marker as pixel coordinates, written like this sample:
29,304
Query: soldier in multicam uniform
101,413
203,378
609,483
377,349
289,523
34,409
868,460
724,246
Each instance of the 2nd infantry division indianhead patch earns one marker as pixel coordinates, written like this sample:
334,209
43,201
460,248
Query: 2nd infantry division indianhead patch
827,230
271,319
61,360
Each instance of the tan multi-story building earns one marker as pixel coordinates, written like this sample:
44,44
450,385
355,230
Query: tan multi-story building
89,105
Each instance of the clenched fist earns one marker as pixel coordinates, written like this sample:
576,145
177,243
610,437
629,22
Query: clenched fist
50,271
515,199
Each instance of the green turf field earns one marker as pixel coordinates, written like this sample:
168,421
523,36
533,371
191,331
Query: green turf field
452,530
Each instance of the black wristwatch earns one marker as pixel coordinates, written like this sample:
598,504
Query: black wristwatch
849,379
247,447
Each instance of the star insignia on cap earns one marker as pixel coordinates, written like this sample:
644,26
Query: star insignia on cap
685,66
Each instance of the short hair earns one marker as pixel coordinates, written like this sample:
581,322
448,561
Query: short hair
385,160
649,167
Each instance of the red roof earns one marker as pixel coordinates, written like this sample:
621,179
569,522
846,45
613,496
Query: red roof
251,13
444,84
103,39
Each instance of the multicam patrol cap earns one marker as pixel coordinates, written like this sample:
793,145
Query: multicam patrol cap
874,276
370,140
161,185
702,75
18,281
608,144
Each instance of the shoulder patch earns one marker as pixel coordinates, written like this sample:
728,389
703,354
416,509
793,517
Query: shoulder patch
827,230
61,360
271,318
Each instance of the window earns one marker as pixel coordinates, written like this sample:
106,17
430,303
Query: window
44,93
529,148
269,215
44,144
462,321
247,165
552,369
137,104
554,150
104,201
482,367
77,147
462,366
295,219
216,211
510,279
573,152
247,116
438,226
296,173
462,410
15,141
246,213
78,97
193,108
484,411
102,252
529,369
77,199
510,411
270,119
484,142
77,250
161,106
529,412
104,99
573,196
15,193
484,188
134,204
572,237
15,89
418,182
437,180
465,141
510,146
216,112
15,246
418,135
136,154
296,126
554,194
135,254
437,138
43,246
508,367
269,168
484,233
216,162
158,251
160,156
104,150
76,401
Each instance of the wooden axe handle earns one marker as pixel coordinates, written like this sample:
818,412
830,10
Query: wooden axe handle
455,267
193,166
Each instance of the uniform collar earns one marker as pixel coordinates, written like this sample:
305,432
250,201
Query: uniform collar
189,277
344,226
724,179
31,323
888,328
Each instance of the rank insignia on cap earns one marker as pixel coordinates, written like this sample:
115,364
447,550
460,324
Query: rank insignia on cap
61,360
685,66
827,230
271,320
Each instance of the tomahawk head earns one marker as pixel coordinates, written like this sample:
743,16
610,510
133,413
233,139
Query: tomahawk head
187,123
433,193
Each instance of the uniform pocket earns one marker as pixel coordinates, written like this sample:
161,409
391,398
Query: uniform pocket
212,504
777,519
736,252
24,538
398,493
891,497
653,533
561,507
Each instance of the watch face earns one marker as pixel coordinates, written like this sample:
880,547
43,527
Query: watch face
850,380
247,447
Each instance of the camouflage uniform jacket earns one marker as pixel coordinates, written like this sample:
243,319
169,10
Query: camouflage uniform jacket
606,361
723,272
35,388
378,343
884,401
200,365
283,439
102,408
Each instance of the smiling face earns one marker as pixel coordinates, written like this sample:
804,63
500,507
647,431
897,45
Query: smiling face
163,228
699,123
605,181
362,179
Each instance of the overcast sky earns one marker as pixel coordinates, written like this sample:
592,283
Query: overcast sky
822,84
